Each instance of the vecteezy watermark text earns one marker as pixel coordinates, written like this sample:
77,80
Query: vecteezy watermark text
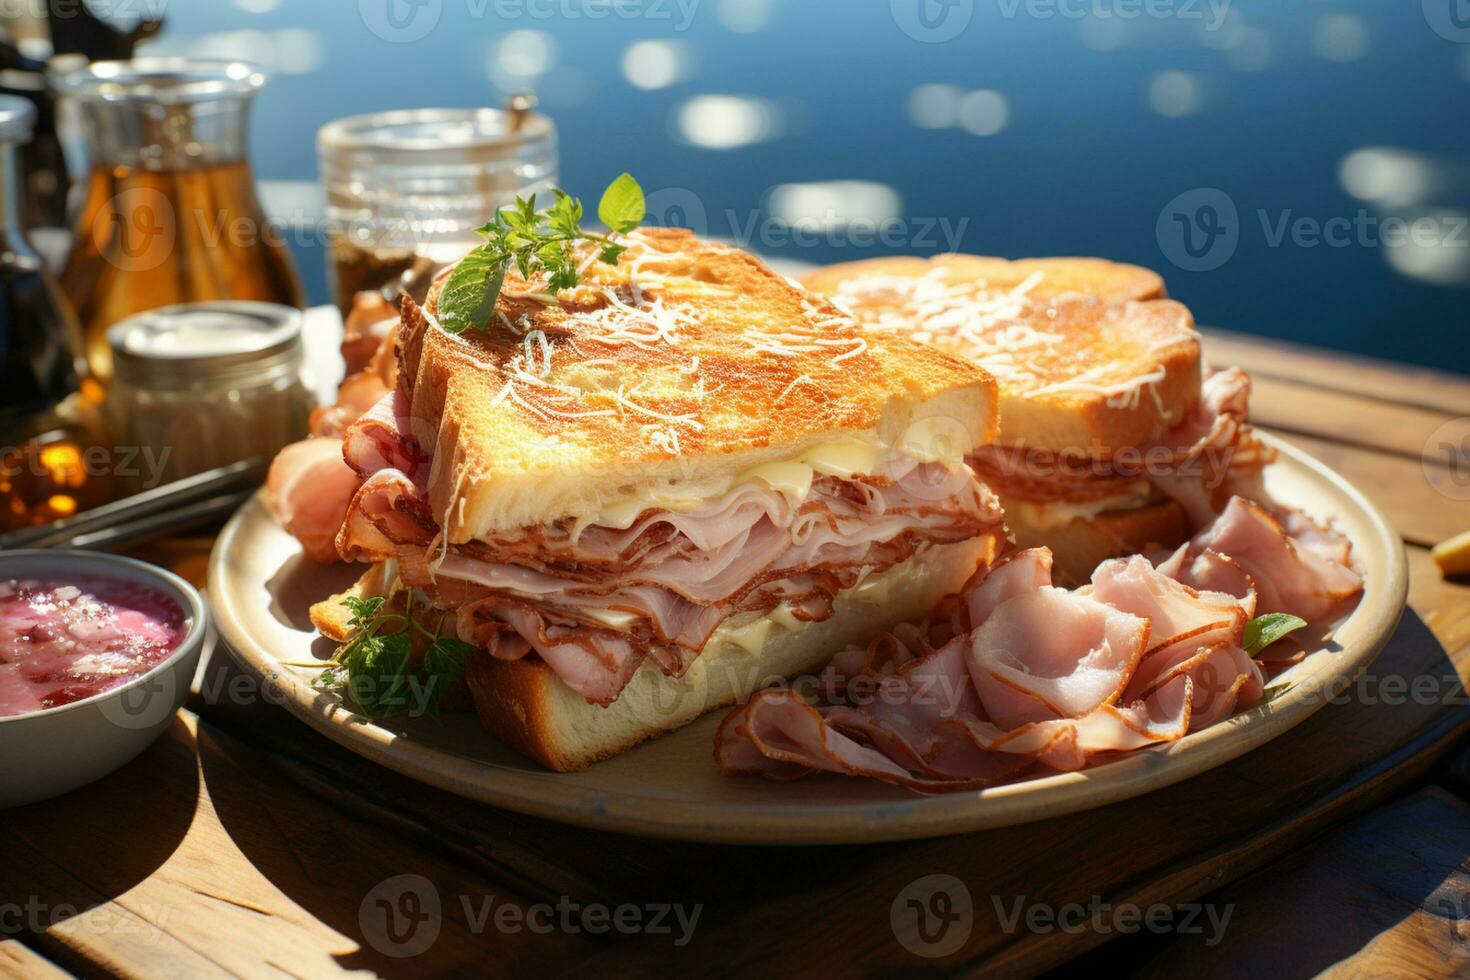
71,465
406,21
937,21
1211,13
1200,230
402,916
933,916
36,916
1104,918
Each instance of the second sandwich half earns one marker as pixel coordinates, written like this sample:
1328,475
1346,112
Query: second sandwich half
652,494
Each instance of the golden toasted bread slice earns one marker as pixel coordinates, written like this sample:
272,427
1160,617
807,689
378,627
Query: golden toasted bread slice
1089,357
333,619
663,378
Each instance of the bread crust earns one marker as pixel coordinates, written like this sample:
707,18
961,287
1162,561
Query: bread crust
333,619
560,406
1089,356
1080,545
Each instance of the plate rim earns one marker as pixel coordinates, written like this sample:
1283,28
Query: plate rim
790,823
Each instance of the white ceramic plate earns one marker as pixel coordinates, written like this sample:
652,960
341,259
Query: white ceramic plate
260,588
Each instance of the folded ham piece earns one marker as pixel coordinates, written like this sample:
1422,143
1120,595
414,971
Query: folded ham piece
1016,677
1196,463
594,600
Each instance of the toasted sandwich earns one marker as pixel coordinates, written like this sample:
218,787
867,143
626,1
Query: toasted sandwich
651,494
1113,437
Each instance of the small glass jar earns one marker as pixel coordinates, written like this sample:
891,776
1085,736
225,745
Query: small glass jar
201,385
171,214
406,190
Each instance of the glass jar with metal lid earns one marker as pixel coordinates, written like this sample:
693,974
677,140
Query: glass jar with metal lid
200,385
406,189
171,214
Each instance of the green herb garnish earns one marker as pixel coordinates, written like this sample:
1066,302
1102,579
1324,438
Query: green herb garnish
535,241
376,669
1265,630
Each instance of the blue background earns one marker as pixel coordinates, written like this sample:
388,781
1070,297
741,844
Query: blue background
1084,165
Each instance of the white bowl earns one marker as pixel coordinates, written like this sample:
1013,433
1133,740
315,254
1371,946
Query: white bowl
49,752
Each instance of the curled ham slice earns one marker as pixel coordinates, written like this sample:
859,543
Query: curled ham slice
311,484
1016,677
387,517
309,488
1175,611
1053,654
1206,570
1019,573
382,439
1197,463
1289,576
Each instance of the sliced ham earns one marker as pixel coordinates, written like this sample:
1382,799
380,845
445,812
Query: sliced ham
309,488
1052,679
1197,463
1206,570
1174,610
388,517
382,439
1019,573
594,601
1053,654
1289,576
674,577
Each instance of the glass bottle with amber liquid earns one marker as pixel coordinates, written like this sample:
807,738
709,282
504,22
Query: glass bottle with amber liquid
170,214
51,460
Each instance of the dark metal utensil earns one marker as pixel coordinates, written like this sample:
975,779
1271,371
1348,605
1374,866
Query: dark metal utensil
172,507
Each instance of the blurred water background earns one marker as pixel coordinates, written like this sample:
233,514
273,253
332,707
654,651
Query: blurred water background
1294,169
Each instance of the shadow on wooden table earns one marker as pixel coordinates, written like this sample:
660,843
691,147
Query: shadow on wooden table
63,861
820,904
1354,896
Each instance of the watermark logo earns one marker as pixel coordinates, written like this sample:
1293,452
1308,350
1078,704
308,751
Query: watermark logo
1199,230
401,916
137,229
1446,459
933,916
676,207
400,21
932,21
1450,19
939,440
147,703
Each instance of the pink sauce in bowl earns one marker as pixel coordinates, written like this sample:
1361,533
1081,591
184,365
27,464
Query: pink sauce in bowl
62,641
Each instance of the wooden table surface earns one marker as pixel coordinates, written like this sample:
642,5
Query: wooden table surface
244,843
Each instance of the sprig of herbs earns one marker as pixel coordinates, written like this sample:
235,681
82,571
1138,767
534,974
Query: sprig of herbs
536,241
376,667
1265,630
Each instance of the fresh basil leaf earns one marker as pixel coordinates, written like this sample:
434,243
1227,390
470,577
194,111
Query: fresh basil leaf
622,206
444,663
468,298
1265,630
378,677
363,610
